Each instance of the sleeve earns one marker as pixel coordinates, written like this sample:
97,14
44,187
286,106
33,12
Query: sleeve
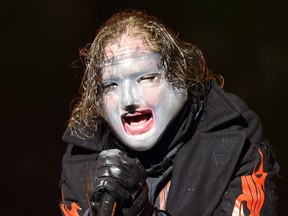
252,189
78,159
73,179
68,204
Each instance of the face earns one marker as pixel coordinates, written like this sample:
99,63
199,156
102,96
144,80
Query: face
138,102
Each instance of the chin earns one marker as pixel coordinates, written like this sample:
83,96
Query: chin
141,148
140,145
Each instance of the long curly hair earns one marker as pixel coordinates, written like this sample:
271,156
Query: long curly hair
182,63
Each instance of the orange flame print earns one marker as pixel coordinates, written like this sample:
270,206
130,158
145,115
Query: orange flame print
253,192
70,212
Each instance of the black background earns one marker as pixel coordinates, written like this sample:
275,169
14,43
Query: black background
245,41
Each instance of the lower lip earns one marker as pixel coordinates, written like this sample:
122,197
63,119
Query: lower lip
139,129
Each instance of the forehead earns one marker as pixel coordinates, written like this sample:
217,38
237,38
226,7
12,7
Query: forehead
126,46
131,66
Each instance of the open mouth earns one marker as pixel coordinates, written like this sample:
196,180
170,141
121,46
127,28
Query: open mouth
138,122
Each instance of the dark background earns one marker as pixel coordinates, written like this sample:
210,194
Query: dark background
245,41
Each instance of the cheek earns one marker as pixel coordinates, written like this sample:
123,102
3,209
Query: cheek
153,96
111,102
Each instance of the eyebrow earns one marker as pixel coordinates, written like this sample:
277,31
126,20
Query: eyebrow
116,76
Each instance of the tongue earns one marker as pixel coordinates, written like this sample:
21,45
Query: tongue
139,125
138,121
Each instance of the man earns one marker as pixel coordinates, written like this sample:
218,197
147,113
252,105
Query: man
155,132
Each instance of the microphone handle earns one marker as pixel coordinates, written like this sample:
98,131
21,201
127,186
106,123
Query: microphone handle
107,206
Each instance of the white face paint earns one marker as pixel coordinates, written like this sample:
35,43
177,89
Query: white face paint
138,102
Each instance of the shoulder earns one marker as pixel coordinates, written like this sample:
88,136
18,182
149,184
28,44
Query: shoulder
88,140
225,110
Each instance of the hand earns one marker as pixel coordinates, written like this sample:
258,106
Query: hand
122,177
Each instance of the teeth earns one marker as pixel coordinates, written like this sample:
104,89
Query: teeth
137,119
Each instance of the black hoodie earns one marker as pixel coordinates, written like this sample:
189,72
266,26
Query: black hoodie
219,162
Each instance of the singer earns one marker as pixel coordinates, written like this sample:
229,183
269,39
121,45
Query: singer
155,133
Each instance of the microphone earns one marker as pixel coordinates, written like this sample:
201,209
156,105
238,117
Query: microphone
107,206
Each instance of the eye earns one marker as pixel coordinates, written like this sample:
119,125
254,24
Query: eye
108,87
150,79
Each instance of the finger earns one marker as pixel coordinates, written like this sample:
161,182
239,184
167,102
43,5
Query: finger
124,177
120,167
112,187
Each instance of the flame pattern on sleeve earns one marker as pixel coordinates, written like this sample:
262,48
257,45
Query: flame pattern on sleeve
253,191
72,211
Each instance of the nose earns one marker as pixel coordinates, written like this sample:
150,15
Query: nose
130,96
